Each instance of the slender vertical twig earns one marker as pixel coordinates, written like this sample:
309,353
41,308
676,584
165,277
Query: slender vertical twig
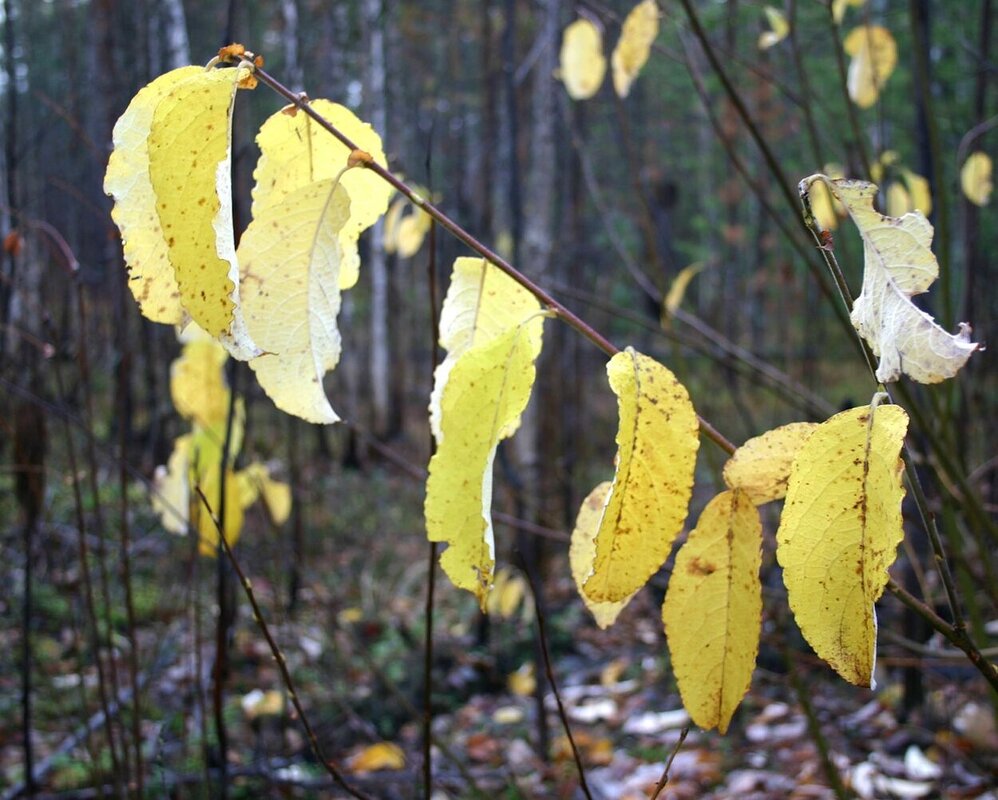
664,780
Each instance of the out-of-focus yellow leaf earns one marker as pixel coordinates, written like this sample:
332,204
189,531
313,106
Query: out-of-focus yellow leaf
190,144
839,532
491,328
918,190
276,494
383,755
637,35
761,466
291,256
975,178
898,264
523,682
713,609
150,274
582,553
262,704
839,8
508,592
404,233
295,151
583,64
657,442
197,383
778,28
898,200
874,55
171,497
677,291
234,510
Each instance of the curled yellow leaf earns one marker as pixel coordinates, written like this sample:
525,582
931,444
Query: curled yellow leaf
874,55
839,532
583,64
713,609
761,466
657,442
637,35
975,178
779,28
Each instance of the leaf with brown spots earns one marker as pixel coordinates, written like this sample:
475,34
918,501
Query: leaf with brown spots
839,533
657,442
761,466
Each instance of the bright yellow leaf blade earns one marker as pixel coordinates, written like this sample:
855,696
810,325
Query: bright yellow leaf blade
197,383
898,264
761,466
482,302
657,442
208,543
582,552
677,290
638,33
379,756
779,28
295,151
485,394
583,64
150,273
713,609
190,173
874,55
918,189
839,532
975,178
291,255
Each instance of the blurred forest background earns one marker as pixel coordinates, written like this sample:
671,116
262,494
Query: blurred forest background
603,202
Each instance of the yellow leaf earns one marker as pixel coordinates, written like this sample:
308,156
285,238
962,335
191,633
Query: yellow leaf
874,55
197,383
404,234
207,529
276,494
491,328
918,189
898,200
150,273
262,704
761,466
583,64
637,35
657,442
839,532
898,264
295,151
291,255
678,288
508,592
779,28
383,755
523,682
171,495
713,609
839,8
582,552
189,169
975,178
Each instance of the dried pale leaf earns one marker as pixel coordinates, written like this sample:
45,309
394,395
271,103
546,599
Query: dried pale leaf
171,494
874,55
197,383
482,302
677,290
375,757
150,273
898,264
189,145
637,34
582,552
657,442
583,64
839,532
486,391
291,255
779,28
761,466
713,609
975,178
295,151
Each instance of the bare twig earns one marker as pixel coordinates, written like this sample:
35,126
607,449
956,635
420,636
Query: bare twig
664,780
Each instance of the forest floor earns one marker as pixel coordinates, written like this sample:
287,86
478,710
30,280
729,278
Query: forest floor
354,645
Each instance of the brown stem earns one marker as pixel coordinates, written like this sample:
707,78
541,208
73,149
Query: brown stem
664,780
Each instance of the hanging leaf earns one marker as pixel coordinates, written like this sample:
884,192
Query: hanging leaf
975,178
826,209
779,28
637,34
190,142
713,609
404,233
583,64
492,329
197,383
295,151
582,552
898,264
657,442
761,466
291,254
839,532
276,495
677,290
874,55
